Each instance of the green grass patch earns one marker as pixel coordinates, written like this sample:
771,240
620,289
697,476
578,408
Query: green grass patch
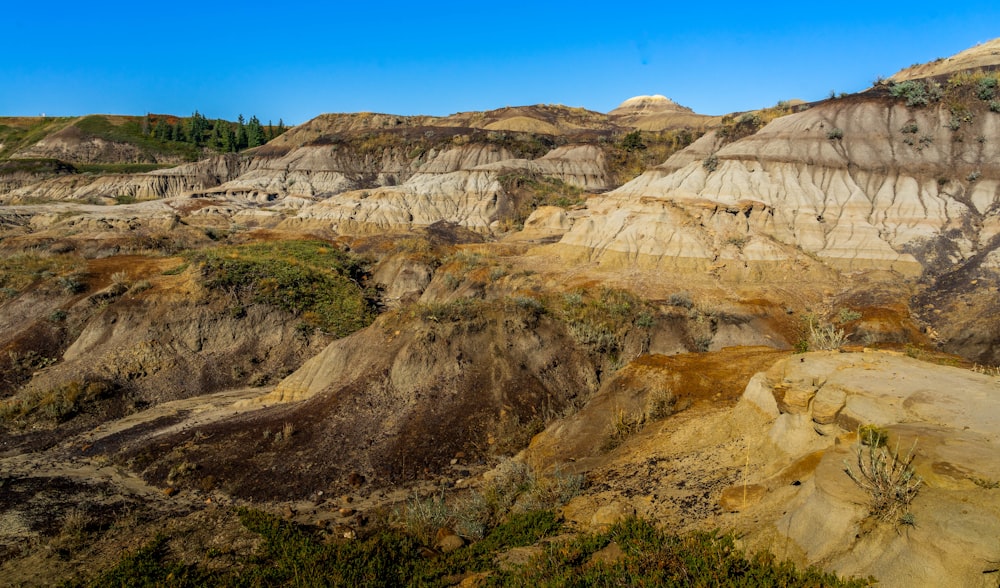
119,168
655,557
20,270
323,286
17,133
130,131
291,555
39,166
602,320
149,567
58,404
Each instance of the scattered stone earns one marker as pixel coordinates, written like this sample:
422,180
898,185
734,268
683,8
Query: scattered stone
170,491
450,543
517,557
611,554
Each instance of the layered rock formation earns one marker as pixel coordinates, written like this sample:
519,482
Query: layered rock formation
842,181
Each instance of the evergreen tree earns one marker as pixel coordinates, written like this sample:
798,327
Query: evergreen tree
281,126
231,139
255,132
162,130
215,139
147,125
242,139
197,126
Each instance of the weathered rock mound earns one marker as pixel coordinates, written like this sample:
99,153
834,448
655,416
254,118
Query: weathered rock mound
949,416
399,401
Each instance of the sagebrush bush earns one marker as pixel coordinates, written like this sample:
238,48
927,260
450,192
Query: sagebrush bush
887,477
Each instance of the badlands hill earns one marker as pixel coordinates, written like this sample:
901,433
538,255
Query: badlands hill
377,321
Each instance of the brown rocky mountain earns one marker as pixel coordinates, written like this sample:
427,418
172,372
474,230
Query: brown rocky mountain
371,306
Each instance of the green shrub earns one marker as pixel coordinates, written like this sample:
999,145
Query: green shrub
835,134
887,477
847,315
823,337
603,321
682,299
147,567
986,88
872,436
915,92
313,280
633,141
711,163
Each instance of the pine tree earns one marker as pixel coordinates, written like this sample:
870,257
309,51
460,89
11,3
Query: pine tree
197,125
231,139
162,130
255,133
242,140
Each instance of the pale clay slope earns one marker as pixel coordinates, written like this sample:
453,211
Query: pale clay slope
471,196
852,202
982,55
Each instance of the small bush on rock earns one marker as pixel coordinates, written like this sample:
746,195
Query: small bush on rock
887,477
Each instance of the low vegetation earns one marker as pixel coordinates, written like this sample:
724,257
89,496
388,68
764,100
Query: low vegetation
959,92
54,405
17,133
886,476
20,271
321,285
648,555
630,154
531,190
602,320
735,127
820,336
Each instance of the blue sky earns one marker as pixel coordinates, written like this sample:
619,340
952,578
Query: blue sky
297,60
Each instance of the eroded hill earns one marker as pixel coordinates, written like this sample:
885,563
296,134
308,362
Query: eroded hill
371,308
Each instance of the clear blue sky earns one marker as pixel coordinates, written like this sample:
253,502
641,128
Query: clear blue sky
295,60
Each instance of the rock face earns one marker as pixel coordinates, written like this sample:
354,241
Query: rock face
861,200
950,419
648,104
165,183
657,113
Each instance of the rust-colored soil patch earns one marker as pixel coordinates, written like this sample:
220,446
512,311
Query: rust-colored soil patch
716,377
